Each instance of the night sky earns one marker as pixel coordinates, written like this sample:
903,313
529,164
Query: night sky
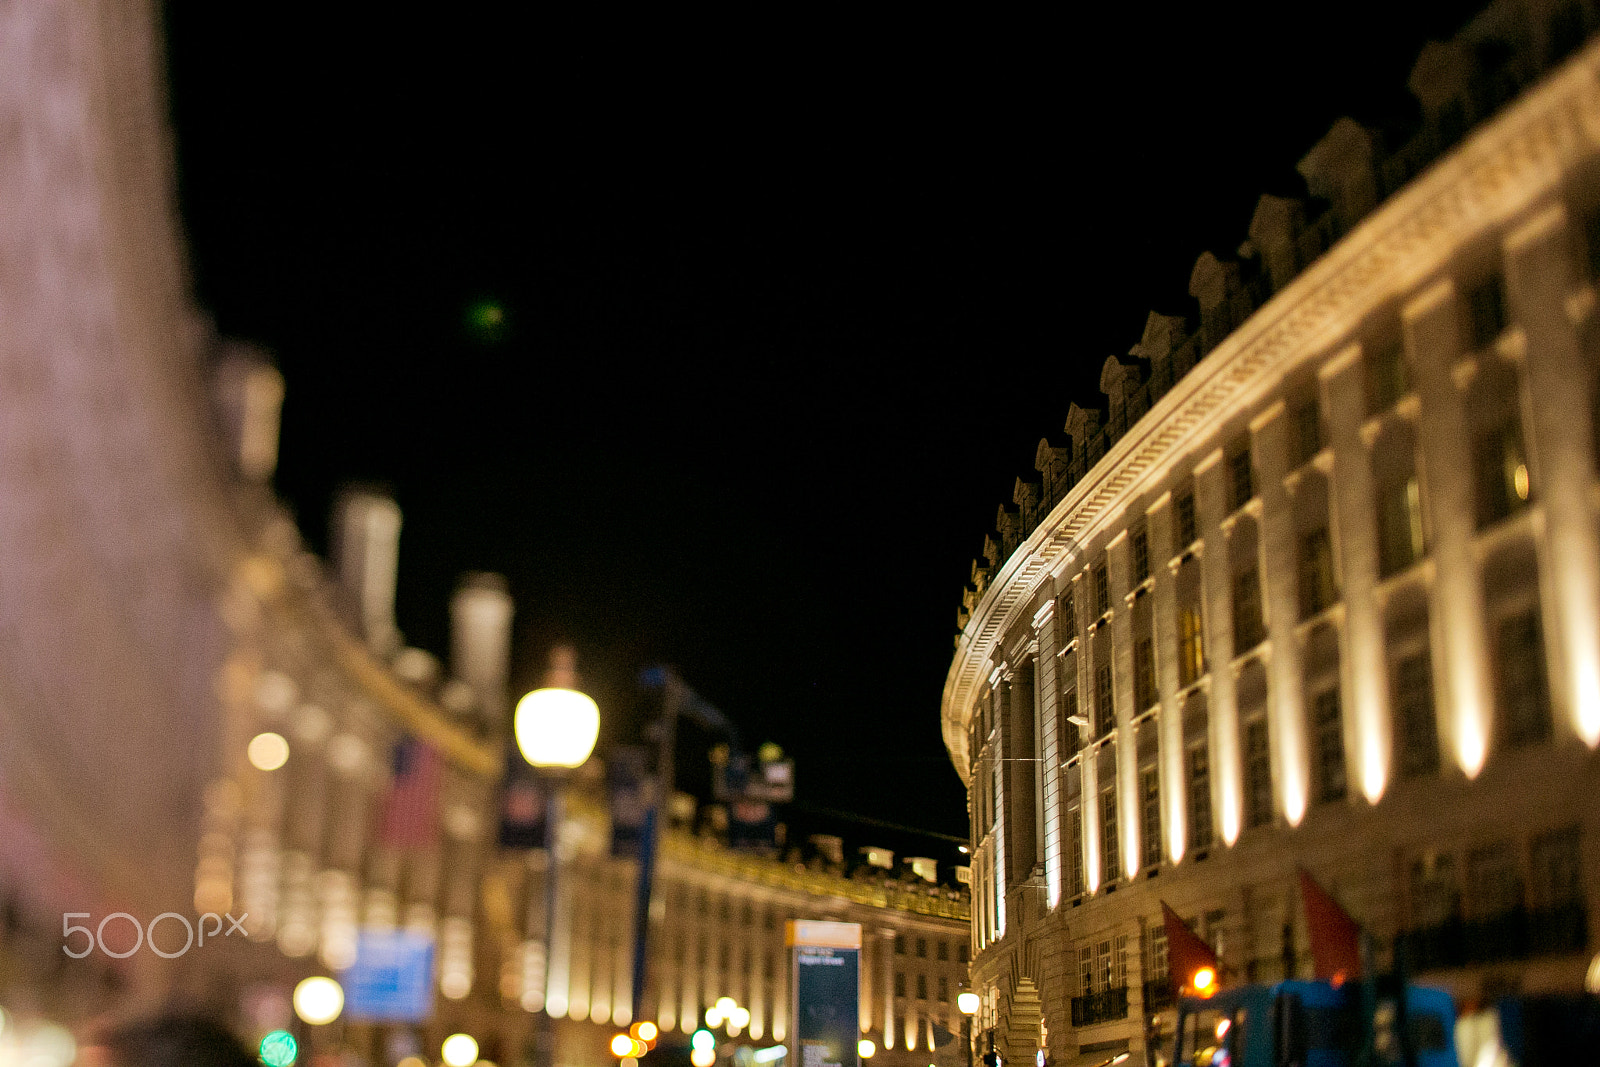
785,309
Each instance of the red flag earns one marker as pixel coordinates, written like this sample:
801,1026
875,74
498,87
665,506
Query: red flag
1335,936
410,815
1190,961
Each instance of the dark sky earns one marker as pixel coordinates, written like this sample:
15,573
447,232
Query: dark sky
787,307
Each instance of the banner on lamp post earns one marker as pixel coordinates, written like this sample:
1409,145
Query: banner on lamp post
825,997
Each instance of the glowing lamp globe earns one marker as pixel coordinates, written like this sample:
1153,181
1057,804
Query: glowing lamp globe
866,1048
1205,980
459,1050
968,1003
556,727
318,1000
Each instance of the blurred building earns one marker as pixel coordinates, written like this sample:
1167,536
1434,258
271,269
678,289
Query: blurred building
1321,588
717,930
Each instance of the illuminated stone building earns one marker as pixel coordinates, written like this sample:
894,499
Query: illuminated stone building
1324,589
717,930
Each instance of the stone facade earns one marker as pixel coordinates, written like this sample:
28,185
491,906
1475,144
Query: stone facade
1327,597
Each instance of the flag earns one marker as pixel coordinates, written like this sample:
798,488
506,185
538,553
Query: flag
1335,936
523,806
1187,955
410,817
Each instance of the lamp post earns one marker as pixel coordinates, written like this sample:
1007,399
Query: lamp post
556,727
967,1003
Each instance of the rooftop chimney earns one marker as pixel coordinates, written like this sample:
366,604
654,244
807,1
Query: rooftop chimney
480,641
366,548
249,395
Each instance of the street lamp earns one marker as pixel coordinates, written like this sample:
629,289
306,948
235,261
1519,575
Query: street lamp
968,1003
556,727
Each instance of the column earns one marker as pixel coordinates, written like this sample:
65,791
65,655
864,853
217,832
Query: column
1461,678
1117,568
1002,820
1556,386
1046,690
1165,613
1211,496
1363,666
1278,553
886,941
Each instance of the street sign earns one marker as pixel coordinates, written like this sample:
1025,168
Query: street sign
391,979
825,977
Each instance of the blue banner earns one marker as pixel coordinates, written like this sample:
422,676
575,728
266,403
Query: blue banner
391,979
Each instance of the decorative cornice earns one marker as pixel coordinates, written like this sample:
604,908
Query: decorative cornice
1502,169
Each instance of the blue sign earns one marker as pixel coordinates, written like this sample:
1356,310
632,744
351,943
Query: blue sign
391,979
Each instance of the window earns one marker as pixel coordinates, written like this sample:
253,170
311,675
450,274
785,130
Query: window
922,948
1104,965
1556,869
1435,897
1150,802
1075,873
942,951
1140,551
1110,850
1191,647
1501,473
1102,592
1199,798
1155,953
922,987
1328,739
1387,380
1307,431
1066,619
1521,697
962,954
944,987
1241,485
1085,970
899,944
1317,588
1248,631
1105,712
1494,883
1486,312
1414,717
1400,539
1257,774
1144,673
900,984
1188,529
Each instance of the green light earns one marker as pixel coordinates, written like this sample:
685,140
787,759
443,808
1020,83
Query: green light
278,1049
486,316
703,1039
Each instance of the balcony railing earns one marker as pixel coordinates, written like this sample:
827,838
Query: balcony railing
1158,994
1106,1006
1511,935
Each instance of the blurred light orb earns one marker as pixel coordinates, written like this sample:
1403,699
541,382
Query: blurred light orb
713,1018
279,1049
622,1045
703,1057
318,1000
866,1048
268,751
703,1039
48,1046
645,1031
459,1050
740,1017
725,1006
968,1003
556,727
412,1061
628,1061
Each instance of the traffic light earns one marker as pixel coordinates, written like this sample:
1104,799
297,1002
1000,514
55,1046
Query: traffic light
992,1059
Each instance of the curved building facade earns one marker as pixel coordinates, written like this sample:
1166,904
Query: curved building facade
1324,591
